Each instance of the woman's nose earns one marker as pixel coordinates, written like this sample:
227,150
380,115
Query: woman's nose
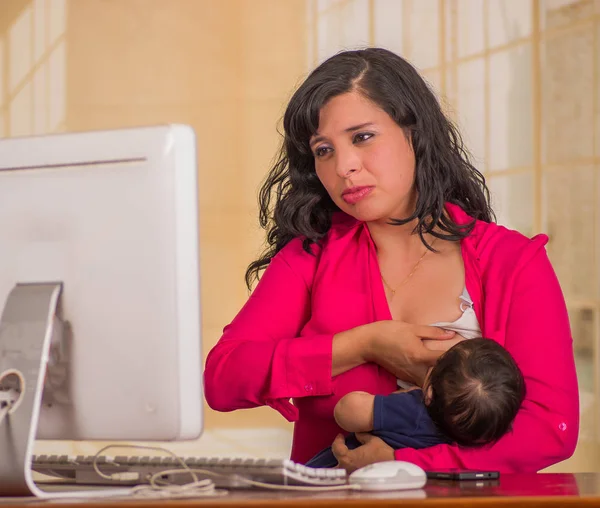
347,163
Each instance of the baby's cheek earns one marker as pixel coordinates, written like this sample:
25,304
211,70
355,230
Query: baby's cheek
442,345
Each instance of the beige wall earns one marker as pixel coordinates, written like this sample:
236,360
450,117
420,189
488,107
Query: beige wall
225,67
212,65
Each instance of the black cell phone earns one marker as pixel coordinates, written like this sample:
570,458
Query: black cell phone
462,474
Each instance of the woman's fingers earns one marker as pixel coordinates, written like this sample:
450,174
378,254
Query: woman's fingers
433,332
372,450
339,448
364,437
442,345
429,356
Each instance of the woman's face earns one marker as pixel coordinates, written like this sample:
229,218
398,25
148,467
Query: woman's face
364,159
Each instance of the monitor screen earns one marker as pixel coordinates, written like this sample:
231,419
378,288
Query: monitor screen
111,217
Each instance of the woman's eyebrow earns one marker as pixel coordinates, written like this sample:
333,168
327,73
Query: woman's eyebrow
318,138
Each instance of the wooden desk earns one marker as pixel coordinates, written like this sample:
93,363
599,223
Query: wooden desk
530,490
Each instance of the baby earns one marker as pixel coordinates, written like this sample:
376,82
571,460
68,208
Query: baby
470,397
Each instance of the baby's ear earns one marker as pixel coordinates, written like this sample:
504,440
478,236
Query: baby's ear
427,394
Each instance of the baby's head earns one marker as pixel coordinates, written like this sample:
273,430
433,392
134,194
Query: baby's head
474,392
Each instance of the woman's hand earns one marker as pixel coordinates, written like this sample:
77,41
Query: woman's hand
399,348
372,450
442,345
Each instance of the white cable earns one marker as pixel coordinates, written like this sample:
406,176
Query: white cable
9,396
302,488
158,488
195,488
124,476
12,396
3,412
8,400
201,488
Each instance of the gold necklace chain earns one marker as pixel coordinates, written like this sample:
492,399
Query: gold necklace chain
406,279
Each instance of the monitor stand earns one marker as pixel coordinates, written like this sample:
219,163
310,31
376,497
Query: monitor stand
30,326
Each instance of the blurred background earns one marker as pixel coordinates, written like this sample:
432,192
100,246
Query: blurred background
520,77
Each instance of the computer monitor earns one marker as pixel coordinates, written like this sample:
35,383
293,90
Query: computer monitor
99,269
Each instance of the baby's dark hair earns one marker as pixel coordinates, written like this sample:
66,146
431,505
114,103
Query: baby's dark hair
474,392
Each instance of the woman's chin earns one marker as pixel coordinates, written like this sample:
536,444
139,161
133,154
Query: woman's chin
364,214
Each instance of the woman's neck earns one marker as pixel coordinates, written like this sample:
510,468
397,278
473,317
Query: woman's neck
399,240
395,239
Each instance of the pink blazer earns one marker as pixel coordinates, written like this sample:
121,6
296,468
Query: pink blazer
279,345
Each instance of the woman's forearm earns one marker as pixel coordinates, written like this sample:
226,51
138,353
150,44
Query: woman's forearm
350,348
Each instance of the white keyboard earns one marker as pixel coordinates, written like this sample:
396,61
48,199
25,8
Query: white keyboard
79,470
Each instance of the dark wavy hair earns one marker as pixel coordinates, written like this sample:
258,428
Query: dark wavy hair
475,392
443,172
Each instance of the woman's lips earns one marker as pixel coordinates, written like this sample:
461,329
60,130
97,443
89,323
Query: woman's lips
355,194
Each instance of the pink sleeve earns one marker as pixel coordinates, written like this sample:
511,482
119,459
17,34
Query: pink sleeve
539,338
260,358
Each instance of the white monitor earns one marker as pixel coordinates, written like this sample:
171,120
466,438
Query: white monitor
106,224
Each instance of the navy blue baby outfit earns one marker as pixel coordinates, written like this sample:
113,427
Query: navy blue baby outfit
400,419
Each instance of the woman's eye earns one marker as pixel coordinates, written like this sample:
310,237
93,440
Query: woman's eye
362,136
321,151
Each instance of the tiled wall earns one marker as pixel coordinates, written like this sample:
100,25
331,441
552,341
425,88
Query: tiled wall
521,78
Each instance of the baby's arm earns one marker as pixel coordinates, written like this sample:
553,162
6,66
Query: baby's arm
354,412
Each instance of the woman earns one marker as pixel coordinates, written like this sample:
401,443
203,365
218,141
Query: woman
380,236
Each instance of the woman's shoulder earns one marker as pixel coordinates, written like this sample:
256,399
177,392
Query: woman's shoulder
506,249
341,225
489,237
298,259
303,257
492,243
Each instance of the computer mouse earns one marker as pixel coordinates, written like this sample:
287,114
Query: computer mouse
390,475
